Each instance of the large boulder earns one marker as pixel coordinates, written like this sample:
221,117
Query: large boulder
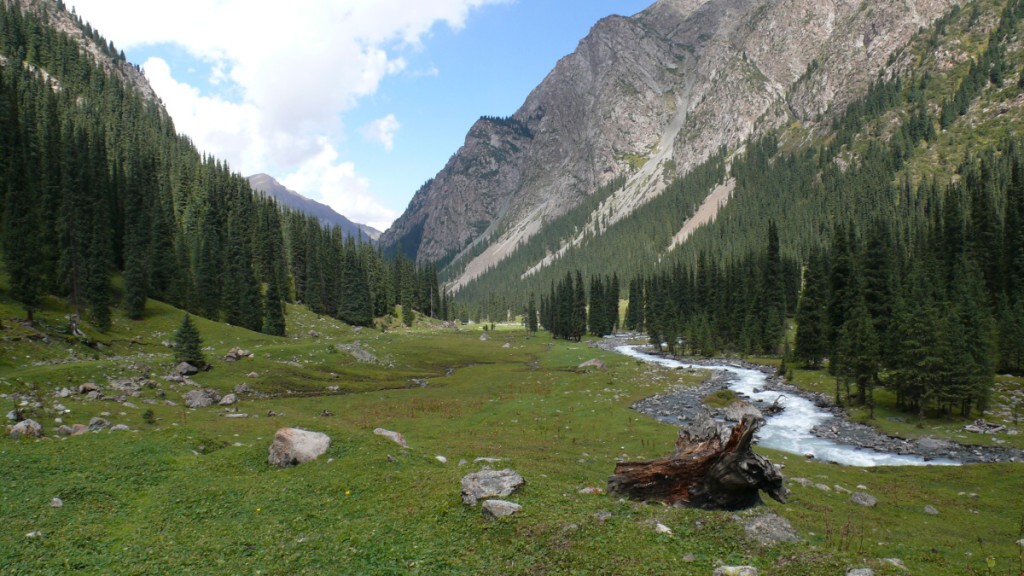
293,446
96,424
490,484
27,429
201,398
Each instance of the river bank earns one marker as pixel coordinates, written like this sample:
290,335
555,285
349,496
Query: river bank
854,443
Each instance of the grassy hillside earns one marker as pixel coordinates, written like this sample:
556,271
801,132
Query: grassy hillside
193,493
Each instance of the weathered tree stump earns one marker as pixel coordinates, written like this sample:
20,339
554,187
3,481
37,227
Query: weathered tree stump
712,468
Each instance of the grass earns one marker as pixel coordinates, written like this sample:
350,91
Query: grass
193,493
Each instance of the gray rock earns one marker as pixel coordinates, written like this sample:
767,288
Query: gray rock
88,387
13,416
120,428
864,499
185,369
96,424
236,415
395,437
490,484
64,430
228,400
293,446
56,503
26,429
735,571
736,411
769,529
201,398
484,337
242,389
595,363
602,516
499,508
79,429
931,510
860,572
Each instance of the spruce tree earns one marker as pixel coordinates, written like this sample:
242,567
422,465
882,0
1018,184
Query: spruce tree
531,315
812,314
188,346
273,311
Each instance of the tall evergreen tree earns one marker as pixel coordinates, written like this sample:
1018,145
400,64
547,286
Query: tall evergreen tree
188,345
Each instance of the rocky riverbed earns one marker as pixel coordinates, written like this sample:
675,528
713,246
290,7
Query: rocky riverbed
681,405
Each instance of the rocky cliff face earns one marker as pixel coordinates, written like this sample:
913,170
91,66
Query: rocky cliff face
59,17
650,97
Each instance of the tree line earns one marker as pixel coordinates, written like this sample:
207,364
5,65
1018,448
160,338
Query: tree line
94,181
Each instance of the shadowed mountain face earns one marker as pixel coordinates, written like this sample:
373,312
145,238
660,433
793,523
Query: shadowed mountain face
269,186
649,97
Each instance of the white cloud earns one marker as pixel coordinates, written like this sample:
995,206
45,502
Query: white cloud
298,67
382,131
340,187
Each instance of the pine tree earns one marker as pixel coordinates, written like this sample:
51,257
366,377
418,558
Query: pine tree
188,346
811,317
273,311
531,315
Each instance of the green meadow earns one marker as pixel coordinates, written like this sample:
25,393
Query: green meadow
190,491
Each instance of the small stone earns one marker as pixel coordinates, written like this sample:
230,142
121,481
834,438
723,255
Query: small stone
842,490
895,562
34,534
26,428
591,490
96,424
201,398
864,499
185,369
395,437
228,400
484,337
595,363
931,510
56,503
120,428
487,460
770,529
860,572
88,387
689,558
735,571
12,415
1020,543
64,430
441,459
823,487
79,429
499,508
602,516
490,484
252,375
662,529
236,415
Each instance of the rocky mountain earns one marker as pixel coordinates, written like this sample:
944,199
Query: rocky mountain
267,185
103,53
648,98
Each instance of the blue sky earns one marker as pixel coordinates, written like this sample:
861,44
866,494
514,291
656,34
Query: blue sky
354,103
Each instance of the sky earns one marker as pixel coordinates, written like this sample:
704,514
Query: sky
355,103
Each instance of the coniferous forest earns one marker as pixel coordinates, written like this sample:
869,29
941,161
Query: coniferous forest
97,183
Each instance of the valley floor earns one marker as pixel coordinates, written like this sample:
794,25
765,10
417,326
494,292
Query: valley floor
190,491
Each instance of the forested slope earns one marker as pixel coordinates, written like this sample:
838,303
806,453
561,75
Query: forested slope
95,182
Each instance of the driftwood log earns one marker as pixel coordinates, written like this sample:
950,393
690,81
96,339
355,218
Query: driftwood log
712,468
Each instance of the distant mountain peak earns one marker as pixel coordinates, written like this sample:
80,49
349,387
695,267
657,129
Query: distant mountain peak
269,186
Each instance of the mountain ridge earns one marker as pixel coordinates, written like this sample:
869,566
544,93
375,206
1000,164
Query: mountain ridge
650,97
269,186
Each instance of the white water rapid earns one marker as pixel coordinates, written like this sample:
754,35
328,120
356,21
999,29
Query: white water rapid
790,430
